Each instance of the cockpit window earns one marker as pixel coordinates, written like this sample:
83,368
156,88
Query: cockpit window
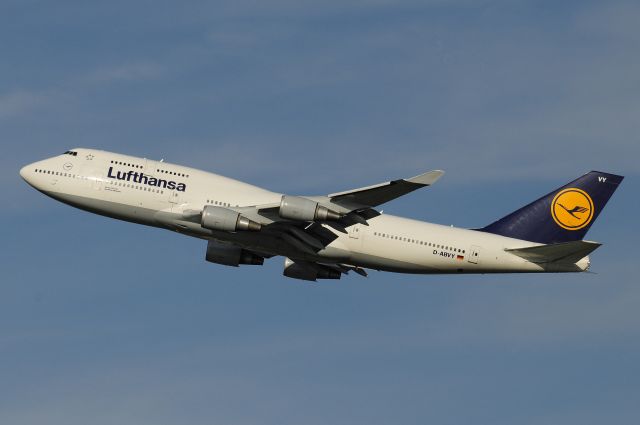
72,153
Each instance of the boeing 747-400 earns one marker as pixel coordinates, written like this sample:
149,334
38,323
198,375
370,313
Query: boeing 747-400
326,236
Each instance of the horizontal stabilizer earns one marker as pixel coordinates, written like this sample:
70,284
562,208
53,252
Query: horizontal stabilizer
566,252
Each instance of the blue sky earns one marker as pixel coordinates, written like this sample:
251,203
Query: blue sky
106,322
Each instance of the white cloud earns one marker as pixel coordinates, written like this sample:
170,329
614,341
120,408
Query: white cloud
134,71
21,102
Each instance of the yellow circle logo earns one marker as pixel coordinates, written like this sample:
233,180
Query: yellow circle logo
572,209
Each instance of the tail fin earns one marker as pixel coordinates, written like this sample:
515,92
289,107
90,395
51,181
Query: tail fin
563,215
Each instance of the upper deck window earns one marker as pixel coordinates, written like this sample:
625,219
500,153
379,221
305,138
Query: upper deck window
174,173
72,153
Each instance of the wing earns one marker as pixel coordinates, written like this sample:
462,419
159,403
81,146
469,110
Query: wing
304,237
304,229
372,196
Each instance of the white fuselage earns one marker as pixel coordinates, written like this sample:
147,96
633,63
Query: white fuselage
111,184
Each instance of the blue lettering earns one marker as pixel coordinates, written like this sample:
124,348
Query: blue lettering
147,180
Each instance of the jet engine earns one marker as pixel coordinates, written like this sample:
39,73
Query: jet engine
230,255
308,271
303,209
218,218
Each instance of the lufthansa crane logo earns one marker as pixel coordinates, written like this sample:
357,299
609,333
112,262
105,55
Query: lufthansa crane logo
572,209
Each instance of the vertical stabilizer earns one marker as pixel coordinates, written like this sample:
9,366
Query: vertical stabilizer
564,215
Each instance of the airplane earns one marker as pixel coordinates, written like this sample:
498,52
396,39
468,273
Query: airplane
326,236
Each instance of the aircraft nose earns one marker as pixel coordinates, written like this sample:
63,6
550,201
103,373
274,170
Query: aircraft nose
26,173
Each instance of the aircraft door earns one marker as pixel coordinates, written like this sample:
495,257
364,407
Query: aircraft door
354,231
96,183
93,175
474,254
175,197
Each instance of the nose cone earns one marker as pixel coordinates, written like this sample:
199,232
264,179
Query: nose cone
24,172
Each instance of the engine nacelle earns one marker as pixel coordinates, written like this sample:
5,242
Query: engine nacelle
219,218
230,255
308,271
302,209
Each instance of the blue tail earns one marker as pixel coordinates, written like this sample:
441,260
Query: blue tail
563,215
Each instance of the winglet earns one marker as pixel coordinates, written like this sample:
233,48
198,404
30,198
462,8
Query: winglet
427,178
